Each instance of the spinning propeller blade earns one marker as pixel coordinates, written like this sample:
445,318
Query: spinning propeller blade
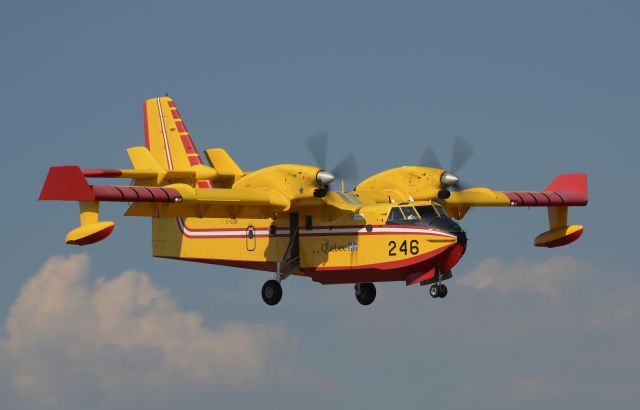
430,159
462,151
346,169
318,146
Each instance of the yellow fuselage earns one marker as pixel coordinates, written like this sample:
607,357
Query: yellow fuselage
334,245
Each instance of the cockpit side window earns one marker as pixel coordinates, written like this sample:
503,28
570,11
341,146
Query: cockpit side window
410,214
427,211
395,215
441,211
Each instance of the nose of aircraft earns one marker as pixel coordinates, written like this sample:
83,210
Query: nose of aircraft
455,253
452,227
462,239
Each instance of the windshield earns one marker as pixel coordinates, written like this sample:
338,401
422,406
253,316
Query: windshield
427,211
403,214
395,215
441,211
410,214
430,215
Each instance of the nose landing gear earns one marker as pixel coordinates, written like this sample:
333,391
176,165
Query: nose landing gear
438,291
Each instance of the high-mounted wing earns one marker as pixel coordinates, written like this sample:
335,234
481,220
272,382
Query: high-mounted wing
409,183
565,191
68,183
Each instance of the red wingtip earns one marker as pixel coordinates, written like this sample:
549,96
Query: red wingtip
66,183
576,183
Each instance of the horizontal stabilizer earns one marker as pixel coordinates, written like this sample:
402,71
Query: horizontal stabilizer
223,163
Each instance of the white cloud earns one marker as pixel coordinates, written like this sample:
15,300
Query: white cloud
546,277
69,342
616,311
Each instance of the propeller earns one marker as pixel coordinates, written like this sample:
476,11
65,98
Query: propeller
346,169
462,151
430,159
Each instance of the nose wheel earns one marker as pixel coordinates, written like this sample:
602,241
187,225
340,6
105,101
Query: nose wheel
365,293
438,291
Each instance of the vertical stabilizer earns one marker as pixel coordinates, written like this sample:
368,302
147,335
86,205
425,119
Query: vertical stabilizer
167,138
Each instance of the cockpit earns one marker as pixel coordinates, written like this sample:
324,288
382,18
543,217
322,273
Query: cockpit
410,215
431,215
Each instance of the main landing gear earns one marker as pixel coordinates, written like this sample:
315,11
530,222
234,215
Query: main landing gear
365,293
271,292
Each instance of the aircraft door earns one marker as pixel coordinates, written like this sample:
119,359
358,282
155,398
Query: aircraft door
294,235
251,238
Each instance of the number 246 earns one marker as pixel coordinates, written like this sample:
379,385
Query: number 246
413,247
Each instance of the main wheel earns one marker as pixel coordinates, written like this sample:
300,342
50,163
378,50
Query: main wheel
434,291
365,293
443,291
271,292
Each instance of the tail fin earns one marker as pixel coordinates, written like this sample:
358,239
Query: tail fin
167,138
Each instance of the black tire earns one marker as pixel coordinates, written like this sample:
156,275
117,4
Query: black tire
434,291
367,293
443,291
271,292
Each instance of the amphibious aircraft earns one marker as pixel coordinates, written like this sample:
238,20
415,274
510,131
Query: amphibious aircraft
397,225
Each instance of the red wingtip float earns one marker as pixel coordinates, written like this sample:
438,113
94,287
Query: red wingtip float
397,225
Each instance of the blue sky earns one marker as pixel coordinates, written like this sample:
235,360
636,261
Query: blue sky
538,88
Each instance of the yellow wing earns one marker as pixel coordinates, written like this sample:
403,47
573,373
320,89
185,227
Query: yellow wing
68,183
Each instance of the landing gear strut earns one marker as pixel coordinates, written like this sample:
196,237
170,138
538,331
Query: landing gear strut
365,293
438,290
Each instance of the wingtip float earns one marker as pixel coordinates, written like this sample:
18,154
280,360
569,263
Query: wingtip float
397,225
